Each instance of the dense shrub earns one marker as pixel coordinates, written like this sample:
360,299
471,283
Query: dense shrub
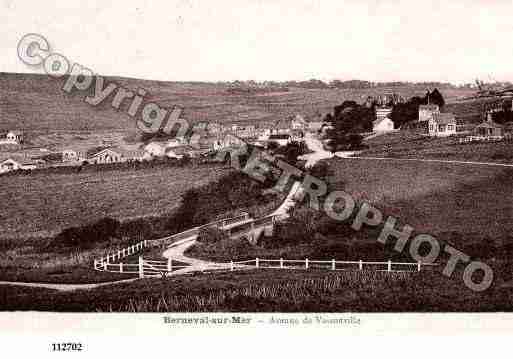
87,236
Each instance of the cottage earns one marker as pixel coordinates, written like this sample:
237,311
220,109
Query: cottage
383,125
13,165
489,128
426,112
442,124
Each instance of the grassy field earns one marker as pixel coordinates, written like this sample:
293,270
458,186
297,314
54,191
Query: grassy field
271,291
409,145
36,103
41,204
434,197
469,207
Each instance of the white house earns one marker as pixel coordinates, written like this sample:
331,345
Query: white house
12,165
298,123
442,124
105,156
227,141
383,125
426,112
383,112
70,155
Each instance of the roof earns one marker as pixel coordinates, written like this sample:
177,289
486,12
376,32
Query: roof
445,118
489,124
429,107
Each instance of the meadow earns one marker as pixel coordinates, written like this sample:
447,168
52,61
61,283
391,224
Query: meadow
37,104
42,204
410,145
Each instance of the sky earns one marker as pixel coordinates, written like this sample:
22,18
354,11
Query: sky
185,40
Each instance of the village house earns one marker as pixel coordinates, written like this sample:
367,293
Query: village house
70,155
116,155
14,165
298,123
280,127
383,125
227,141
489,128
442,124
426,112
383,112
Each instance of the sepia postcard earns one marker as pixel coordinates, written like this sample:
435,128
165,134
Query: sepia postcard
249,169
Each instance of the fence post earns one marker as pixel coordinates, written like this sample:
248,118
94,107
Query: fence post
95,264
141,267
418,266
231,266
332,264
120,267
306,263
389,265
145,243
281,262
256,263
169,264
105,266
119,254
360,265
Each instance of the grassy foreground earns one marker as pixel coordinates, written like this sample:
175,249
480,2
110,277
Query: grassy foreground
271,291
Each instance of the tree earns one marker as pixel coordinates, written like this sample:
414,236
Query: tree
435,97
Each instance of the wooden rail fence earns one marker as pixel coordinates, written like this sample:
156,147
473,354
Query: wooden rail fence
161,268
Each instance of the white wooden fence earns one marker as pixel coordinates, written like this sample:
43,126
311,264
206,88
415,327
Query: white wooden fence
161,268
481,139
112,257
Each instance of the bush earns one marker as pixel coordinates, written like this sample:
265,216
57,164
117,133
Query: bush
87,236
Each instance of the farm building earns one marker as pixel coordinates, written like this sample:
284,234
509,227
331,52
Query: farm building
442,124
426,112
383,125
